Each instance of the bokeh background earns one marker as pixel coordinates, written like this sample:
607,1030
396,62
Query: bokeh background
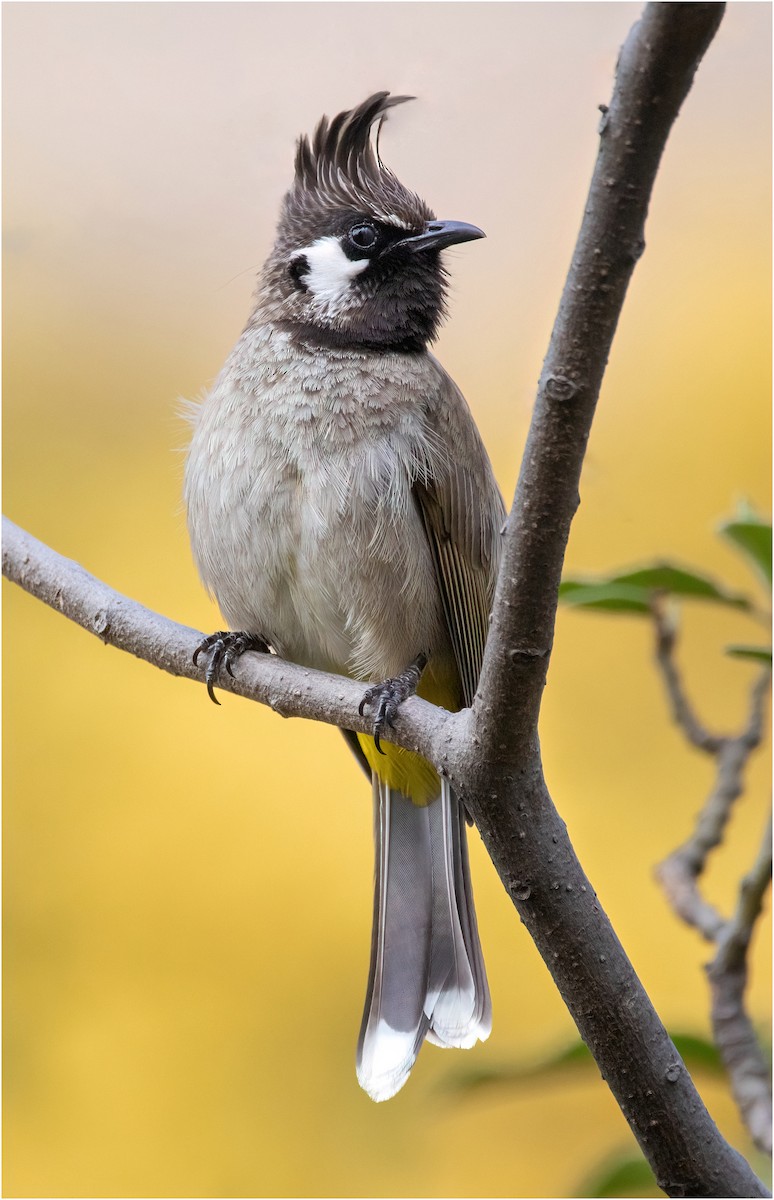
188,889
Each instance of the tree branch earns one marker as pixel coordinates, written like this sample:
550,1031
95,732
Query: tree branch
491,752
290,690
679,876
655,71
498,769
680,871
682,709
735,1035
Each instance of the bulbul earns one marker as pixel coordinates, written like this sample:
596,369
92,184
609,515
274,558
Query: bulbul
343,512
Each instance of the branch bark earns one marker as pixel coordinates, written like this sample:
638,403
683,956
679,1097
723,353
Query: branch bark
734,1032
499,774
288,689
680,873
682,710
655,70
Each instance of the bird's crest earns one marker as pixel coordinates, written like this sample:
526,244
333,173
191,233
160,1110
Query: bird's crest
340,167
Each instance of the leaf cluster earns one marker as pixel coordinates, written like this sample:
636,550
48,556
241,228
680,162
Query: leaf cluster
634,592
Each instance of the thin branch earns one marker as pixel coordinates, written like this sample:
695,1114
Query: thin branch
734,1032
680,873
735,939
118,621
682,710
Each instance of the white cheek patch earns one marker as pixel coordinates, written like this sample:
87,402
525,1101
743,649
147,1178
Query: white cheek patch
330,272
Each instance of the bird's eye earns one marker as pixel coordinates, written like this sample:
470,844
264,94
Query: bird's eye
363,235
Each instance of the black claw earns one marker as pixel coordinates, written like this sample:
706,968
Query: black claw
224,649
388,697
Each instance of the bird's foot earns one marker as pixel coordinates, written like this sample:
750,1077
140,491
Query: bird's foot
385,698
224,648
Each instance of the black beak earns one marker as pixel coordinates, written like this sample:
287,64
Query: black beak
438,234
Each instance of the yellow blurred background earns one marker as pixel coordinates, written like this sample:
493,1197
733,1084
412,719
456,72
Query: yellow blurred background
188,889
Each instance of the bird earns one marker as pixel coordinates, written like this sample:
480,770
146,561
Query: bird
343,513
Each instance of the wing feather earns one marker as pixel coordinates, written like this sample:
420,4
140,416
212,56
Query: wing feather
463,515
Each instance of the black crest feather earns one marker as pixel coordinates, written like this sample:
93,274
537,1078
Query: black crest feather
340,167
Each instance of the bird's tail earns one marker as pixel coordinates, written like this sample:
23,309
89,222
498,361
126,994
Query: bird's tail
427,977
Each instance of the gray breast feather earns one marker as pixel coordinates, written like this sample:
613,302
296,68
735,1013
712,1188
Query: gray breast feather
301,488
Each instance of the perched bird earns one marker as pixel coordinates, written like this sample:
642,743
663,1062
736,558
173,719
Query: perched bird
343,512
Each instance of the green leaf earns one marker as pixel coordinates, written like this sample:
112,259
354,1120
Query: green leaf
605,596
631,591
761,654
697,1053
560,1062
751,534
621,1176
678,581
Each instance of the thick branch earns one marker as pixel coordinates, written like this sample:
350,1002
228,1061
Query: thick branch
654,74
498,770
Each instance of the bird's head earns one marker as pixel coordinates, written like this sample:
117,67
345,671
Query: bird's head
357,262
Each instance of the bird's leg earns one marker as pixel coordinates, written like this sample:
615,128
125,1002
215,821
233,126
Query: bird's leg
386,698
224,648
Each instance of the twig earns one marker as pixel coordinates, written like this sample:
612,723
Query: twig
735,1035
682,710
680,871
679,876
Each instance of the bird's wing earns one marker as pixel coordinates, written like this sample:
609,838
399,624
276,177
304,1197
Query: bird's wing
463,515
